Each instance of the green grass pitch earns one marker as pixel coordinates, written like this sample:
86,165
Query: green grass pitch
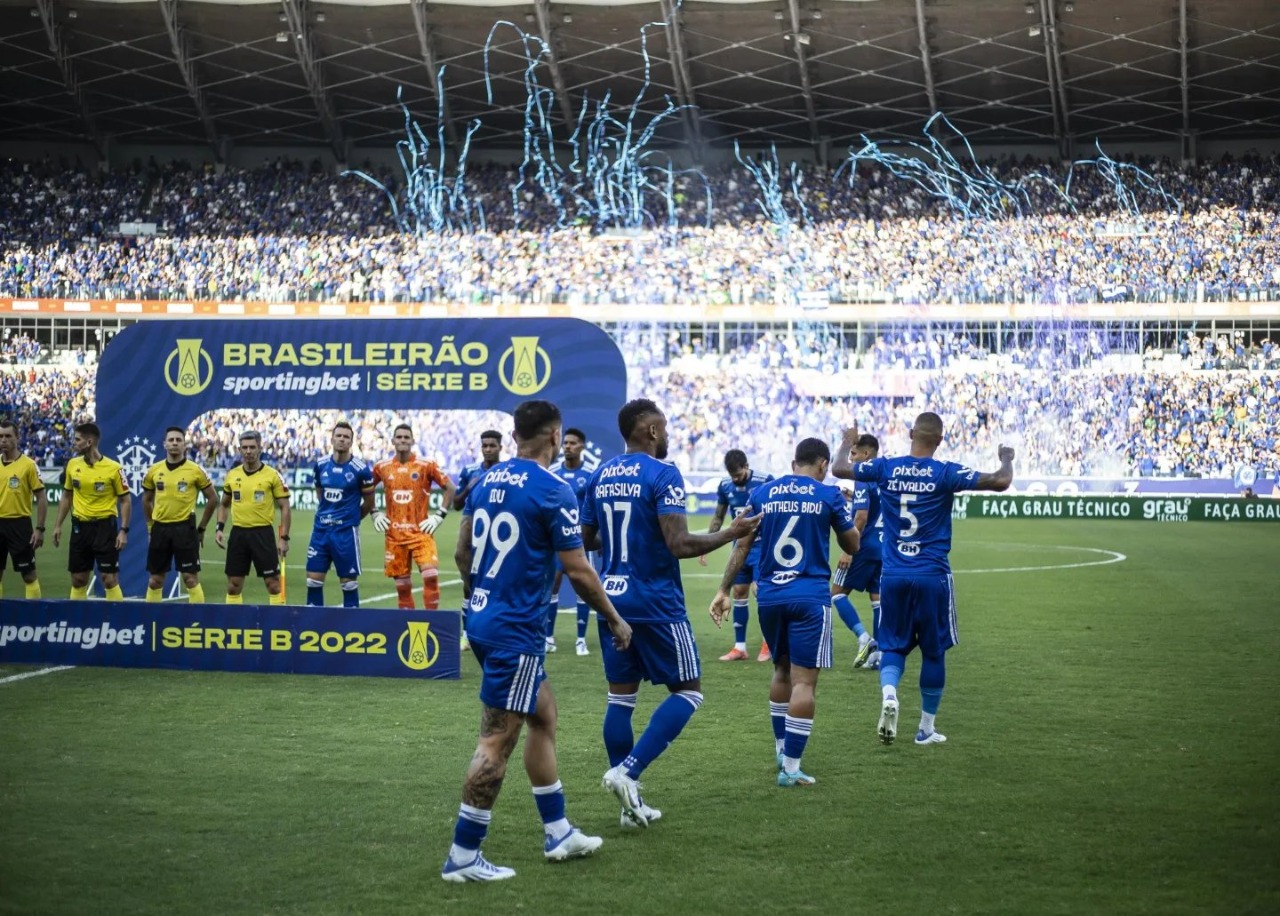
1113,748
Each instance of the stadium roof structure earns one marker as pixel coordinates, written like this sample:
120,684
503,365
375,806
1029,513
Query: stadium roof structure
791,72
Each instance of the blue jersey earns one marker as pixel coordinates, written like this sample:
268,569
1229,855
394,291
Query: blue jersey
735,498
641,575
867,496
521,515
795,539
341,489
915,503
577,478
468,477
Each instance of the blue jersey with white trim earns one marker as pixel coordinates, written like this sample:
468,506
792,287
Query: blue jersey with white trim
736,498
341,489
794,538
577,478
521,515
867,496
625,499
915,502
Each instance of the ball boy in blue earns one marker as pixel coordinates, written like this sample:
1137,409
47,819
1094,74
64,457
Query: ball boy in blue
518,519
344,495
792,546
917,601
635,512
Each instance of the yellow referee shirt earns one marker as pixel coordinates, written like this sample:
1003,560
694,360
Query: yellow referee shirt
19,481
94,488
253,496
175,489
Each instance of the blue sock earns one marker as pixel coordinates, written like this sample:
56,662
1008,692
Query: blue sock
797,737
891,665
618,736
665,725
584,616
351,594
933,677
778,716
550,802
473,823
844,607
741,614
315,593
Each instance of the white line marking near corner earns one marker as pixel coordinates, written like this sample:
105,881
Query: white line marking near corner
22,677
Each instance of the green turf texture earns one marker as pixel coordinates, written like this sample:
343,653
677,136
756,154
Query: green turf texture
1112,749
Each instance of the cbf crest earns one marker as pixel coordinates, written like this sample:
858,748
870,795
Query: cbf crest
135,455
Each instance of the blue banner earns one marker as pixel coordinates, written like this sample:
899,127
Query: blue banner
266,639
165,373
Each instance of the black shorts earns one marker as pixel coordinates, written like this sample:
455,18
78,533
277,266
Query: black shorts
15,541
93,542
173,543
255,546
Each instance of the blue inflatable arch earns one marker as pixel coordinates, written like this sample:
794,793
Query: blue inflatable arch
157,374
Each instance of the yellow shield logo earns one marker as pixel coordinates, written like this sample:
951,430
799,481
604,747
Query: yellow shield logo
525,368
189,368
418,647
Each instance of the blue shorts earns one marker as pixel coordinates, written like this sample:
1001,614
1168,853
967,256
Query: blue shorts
747,574
337,546
917,611
799,632
861,575
661,652
509,680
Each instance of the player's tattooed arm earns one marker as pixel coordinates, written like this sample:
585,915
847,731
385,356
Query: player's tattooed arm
1000,480
722,604
685,544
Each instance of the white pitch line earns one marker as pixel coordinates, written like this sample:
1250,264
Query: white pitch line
22,677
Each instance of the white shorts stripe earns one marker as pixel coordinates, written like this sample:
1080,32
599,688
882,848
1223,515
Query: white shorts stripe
686,651
825,645
520,696
951,610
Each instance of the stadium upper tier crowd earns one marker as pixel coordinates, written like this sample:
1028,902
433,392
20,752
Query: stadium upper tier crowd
288,231
1078,422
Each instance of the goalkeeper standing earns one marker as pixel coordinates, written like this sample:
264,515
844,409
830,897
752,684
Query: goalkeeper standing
407,522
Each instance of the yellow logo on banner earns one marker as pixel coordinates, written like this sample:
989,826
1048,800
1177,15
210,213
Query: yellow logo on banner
189,368
525,368
418,647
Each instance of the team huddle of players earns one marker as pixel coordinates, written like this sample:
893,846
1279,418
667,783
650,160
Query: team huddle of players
520,522
525,526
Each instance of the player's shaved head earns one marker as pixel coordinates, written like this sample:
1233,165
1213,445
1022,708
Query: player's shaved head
927,430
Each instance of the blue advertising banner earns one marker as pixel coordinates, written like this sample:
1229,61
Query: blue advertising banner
165,373
265,639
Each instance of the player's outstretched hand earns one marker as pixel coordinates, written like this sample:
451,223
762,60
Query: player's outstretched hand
621,631
1005,453
380,521
721,607
429,524
851,434
745,524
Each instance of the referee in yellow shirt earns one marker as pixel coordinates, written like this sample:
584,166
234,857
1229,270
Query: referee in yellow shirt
20,484
94,491
251,494
169,502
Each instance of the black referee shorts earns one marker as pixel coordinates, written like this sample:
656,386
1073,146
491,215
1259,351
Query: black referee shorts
15,541
93,542
256,546
175,543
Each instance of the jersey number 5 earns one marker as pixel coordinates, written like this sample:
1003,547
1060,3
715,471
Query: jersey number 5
904,510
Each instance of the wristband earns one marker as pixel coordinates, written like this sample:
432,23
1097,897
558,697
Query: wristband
39,527
221,525
444,510
284,537
124,529
200,530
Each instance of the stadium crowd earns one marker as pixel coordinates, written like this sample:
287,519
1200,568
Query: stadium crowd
289,231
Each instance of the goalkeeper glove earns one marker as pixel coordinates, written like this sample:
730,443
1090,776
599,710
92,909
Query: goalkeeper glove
380,521
429,524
